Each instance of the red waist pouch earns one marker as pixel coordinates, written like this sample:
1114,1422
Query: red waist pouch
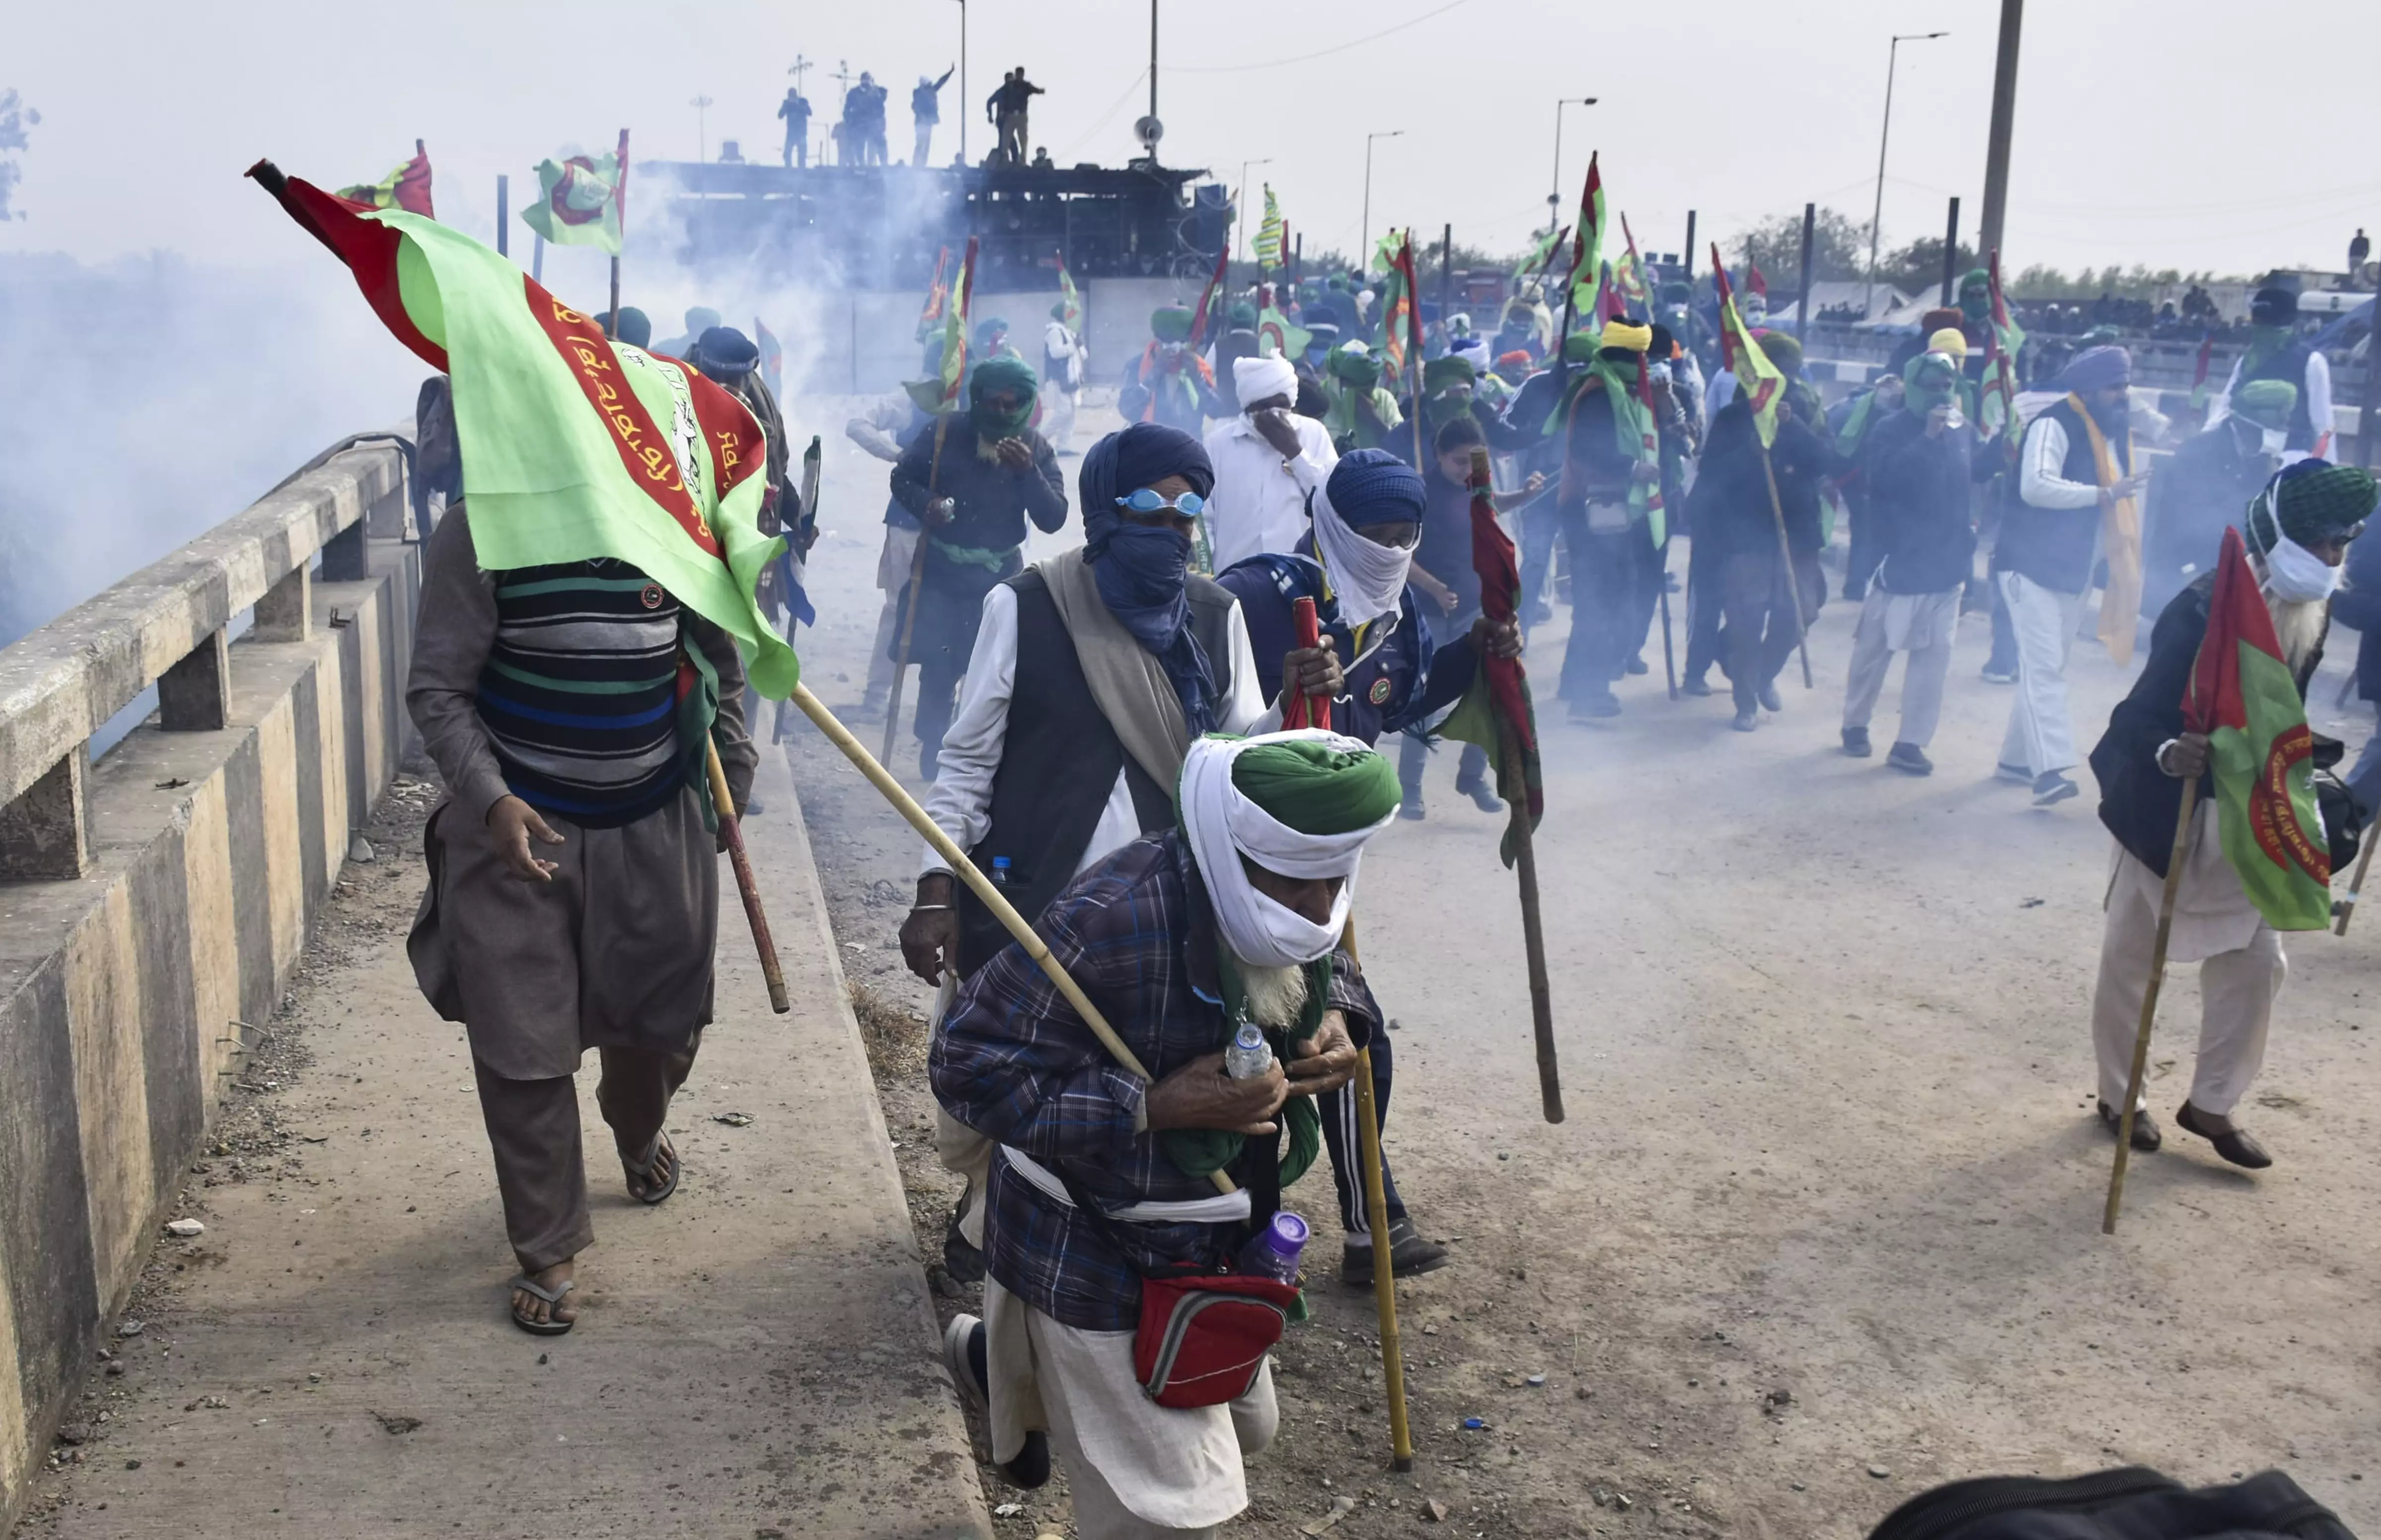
1203,1337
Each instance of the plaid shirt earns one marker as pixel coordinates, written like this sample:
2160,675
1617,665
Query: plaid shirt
1014,1062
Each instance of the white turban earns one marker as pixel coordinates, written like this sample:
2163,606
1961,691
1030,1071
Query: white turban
1259,379
1222,824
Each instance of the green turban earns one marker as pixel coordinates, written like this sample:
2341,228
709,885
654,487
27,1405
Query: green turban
1243,315
1171,323
2313,501
1580,347
1932,379
1782,350
1000,374
2267,403
1361,370
1976,294
1448,369
1059,310
1316,789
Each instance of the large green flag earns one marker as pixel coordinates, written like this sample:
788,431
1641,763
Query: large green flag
577,446
2245,698
578,202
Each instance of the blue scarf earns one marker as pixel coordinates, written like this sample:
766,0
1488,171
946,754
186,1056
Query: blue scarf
1143,572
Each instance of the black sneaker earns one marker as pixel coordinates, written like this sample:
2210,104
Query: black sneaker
1856,742
1636,664
961,1260
1746,721
1768,697
1410,808
2054,788
1910,759
1409,1257
1694,684
963,1355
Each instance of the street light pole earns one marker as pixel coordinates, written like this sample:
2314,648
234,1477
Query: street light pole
967,102
1241,216
1877,218
702,133
1364,233
1996,148
1553,199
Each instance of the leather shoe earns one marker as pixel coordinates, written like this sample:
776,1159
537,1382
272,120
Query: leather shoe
2146,1137
2235,1146
1483,796
1910,759
1856,742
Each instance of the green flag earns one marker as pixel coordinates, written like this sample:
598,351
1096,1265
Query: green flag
578,202
579,446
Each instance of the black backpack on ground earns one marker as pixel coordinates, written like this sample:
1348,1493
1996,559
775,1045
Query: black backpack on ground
2131,1503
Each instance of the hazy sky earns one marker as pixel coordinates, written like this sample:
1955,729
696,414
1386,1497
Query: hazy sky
2144,130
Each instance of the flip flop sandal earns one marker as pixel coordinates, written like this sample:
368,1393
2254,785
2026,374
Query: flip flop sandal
548,1328
641,1173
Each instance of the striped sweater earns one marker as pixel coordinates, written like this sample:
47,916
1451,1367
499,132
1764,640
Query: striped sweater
579,694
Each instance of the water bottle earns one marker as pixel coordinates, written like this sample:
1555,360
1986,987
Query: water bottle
1249,1055
1273,1252
1000,871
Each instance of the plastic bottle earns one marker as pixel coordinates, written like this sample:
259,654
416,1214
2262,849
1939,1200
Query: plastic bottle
1000,871
1275,1251
1249,1055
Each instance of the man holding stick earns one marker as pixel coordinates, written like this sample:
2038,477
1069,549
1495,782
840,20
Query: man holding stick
1092,672
1236,915
2299,531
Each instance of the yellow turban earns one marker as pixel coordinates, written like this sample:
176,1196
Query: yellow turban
1628,335
1951,340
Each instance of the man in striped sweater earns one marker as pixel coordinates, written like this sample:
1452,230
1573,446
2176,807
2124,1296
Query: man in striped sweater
574,894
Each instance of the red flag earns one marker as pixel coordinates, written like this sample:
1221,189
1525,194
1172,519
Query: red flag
1206,298
1498,697
2199,370
1753,280
1414,313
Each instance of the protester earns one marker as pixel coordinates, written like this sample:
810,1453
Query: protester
1922,461
1520,332
973,483
2298,534
925,110
2198,492
1354,564
699,320
796,110
1007,110
885,427
574,897
729,358
1091,674
1236,914
2276,352
1168,382
1363,413
1063,360
1850,424
1267,459
635,329
1447,388
863,123
2075,469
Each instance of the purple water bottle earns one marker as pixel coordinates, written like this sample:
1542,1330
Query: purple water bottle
1275,1250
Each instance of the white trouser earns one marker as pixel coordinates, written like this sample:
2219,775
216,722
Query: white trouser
893,565
2237,990
2041,733
1057,416
1919,624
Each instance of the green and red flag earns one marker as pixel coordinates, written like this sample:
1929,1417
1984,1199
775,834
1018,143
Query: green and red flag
2199,370
1070,300
580,201
1628,274
1210,296
1996,407
405,188
937,297
2245,698
1759,381
1273,236
1587,244
579,446
1498,696
941,393
1541,257
1278,335
1754,282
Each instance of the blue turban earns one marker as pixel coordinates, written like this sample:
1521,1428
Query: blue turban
2097,368
724,353
1373,486
1143,572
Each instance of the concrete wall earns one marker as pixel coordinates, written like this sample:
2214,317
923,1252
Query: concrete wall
122,991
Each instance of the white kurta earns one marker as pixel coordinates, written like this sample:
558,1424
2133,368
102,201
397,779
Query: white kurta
1259,503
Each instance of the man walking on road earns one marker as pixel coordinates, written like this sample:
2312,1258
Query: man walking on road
1268,460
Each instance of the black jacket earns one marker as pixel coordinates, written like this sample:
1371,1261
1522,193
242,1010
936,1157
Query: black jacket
991,502
1918,495
1730,506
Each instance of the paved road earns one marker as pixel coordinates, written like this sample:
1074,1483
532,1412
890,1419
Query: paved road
755,1357
1824,1032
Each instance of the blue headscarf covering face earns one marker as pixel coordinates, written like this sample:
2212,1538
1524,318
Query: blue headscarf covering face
1143,570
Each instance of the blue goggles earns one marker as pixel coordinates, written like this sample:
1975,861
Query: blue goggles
1189,505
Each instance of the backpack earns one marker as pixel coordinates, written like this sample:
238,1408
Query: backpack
2130,1503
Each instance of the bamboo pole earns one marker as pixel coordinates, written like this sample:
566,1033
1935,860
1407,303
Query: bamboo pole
1786,561
1376,1217
917,593
1533,935
725,805
968,872
2149,1004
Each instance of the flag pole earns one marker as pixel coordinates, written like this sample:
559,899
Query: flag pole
1511,784
917,585
620,203
968,872
2149,1003
2363,864
1786,558
731,829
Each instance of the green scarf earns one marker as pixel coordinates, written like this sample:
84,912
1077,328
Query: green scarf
1342,421
1857,422
2266,343
1631,422
1197,1151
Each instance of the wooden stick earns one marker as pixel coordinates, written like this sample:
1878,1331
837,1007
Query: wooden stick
1385,1281
2149,1003
1533,935
1669,660
765,943
2363,864
1785,556
968,872
917,593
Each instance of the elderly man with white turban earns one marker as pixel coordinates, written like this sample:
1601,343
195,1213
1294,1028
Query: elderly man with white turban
1267,459
1233,916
